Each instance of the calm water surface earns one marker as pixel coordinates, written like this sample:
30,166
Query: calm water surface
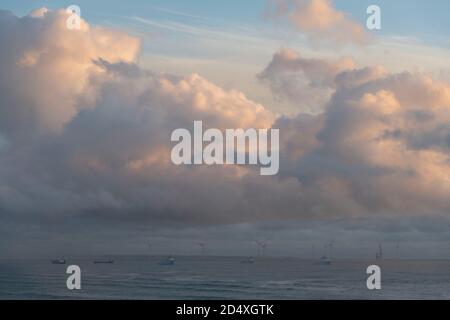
224,278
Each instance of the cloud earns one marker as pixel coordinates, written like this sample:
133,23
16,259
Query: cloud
85,136
319,21
378,147
308,83
93,139
46,67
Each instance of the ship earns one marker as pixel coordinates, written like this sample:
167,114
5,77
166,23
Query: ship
58,261
169,261
324,261
108,261
248,260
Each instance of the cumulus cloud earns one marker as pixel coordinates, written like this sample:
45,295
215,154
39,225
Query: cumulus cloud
94,137
45,67
85,133
319,21
370,150
308,83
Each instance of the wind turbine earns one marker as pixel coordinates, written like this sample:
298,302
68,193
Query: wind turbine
258,249
379,254
149,246
330,245
202,247
261,244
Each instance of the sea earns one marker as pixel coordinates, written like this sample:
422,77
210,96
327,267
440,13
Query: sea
210,277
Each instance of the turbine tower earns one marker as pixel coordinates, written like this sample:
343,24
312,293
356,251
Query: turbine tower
149,246
261,246
330,245
379,254
202,247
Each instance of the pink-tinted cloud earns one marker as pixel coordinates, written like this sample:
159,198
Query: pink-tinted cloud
319,20
85,131
46,67
307,83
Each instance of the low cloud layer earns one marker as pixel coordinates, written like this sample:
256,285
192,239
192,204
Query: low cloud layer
85,134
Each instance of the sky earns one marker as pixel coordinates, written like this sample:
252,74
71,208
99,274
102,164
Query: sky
86,116
200,36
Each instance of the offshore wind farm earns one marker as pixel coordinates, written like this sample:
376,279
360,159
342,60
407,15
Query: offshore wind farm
275,149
